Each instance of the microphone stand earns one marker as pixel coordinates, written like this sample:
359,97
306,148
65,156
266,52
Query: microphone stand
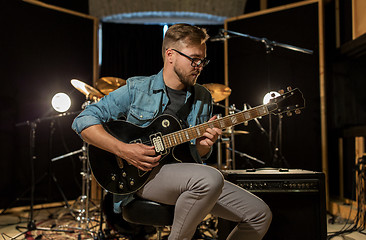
31,226
247,156
269,45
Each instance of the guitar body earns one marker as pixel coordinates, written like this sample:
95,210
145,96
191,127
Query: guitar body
115,174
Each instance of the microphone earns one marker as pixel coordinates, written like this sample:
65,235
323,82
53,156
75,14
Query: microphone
220,37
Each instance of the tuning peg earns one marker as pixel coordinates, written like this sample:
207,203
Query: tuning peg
289,88
297,111
281,91
289,114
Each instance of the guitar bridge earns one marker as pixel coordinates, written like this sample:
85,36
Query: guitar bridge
157,140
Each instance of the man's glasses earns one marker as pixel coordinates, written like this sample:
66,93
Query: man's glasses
195,62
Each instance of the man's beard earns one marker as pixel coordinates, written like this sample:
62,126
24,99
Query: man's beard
187,79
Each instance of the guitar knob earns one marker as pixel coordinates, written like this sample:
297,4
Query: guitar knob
124,174
132,182
281,91
289,114
289,88
113,177
297,111
120,185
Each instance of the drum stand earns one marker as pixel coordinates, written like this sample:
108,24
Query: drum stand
82,204
230,145
230,161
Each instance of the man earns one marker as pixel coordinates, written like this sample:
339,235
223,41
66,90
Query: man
195,189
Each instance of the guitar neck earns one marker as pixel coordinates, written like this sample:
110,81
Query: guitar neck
188,134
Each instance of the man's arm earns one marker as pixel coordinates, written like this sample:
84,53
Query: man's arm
140,155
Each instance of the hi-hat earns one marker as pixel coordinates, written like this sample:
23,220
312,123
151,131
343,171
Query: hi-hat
90,92
218,91
109,84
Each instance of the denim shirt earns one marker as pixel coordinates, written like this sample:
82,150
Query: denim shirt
140,101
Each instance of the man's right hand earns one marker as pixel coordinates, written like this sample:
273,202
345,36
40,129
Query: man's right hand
140,155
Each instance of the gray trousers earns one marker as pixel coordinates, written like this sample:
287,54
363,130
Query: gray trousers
197,190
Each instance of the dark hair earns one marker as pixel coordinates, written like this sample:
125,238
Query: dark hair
183,33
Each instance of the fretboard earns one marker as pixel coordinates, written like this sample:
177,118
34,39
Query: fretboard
188,134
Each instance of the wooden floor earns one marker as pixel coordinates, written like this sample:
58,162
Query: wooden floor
13,218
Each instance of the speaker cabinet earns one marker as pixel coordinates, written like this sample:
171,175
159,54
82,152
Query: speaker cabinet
295,197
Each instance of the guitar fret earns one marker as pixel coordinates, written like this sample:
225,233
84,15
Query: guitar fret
198,130
164,142
240,118
246,115
233,119
262,110
175,140
180,137
227,122
192,134
170,143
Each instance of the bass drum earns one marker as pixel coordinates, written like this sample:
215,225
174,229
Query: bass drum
120,226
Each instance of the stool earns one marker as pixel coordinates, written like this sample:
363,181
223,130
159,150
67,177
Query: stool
145,212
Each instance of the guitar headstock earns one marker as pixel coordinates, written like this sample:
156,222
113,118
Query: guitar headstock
291,101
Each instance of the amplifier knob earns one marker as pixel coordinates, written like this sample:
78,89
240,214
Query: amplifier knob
120,185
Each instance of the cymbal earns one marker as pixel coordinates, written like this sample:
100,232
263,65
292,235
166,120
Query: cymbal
87,90
109,84
236,132
218,91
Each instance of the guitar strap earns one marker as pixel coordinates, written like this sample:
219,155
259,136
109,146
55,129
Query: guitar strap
184,111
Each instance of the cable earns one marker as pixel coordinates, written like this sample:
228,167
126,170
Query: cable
359,223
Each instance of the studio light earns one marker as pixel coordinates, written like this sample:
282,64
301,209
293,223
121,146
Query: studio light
61,102
270,96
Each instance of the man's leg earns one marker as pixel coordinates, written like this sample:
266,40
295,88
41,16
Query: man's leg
192,188
238,205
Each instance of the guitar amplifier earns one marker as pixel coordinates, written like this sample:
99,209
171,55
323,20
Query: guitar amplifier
295,197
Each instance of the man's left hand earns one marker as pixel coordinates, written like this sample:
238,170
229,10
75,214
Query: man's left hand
208,139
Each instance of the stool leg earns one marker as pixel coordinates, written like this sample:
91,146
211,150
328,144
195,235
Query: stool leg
158,232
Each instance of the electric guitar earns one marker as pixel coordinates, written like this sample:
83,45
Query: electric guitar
117,176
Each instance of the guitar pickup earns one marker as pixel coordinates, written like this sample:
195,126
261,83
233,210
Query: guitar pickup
157,141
